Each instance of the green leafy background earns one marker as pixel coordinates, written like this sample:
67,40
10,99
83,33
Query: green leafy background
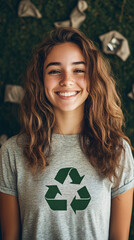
20,35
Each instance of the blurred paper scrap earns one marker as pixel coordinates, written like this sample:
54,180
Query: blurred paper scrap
115,43
131,94
77,16
3,139
27,9
13,93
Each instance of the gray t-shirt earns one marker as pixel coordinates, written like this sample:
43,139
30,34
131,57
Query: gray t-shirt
68,200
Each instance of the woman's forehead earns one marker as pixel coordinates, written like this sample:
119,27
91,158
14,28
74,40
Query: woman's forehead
65,52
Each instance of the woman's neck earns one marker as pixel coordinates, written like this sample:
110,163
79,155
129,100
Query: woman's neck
68,123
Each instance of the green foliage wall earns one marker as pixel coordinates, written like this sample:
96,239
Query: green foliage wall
20,35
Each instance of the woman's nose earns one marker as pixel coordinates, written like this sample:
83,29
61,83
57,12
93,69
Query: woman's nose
67,80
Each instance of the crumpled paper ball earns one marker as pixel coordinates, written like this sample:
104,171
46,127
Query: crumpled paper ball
13,93
27,9
77,16
131,94
3,139
115,43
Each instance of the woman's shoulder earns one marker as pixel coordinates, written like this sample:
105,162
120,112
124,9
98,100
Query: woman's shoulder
126,161
126,147
14,142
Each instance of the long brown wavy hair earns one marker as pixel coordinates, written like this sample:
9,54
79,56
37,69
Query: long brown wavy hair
101,136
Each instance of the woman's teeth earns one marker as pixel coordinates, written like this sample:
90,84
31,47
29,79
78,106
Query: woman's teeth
67,94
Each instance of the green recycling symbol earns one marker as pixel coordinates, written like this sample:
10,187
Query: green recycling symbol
53,190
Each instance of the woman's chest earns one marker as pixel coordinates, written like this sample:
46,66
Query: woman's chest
65,186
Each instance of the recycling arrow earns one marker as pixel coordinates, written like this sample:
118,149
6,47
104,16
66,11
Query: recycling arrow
81,204
53,190
83,192
55,204
73,173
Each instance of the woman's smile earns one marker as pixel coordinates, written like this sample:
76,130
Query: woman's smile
67,94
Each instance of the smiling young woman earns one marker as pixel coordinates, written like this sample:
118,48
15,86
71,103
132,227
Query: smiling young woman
69,173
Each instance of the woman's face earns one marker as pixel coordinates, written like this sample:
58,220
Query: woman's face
65,78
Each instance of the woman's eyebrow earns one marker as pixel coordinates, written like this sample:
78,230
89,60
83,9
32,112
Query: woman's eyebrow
53,63
81,62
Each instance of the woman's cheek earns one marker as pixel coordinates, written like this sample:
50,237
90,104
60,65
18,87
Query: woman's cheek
49,83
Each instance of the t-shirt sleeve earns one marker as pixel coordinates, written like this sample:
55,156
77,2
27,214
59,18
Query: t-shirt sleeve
8,179
125,172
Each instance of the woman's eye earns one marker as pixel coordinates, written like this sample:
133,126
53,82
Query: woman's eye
79,71
54,72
